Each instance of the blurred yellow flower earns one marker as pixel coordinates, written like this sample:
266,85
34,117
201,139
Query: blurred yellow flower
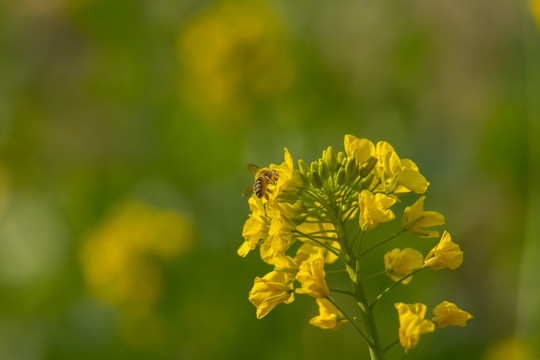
412,323
311,276
272,289
535,5
428,219
447,313
329,317
233,56
120,257
445,255
374,209
511,348
399,263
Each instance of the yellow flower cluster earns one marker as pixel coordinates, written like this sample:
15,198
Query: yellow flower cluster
307,217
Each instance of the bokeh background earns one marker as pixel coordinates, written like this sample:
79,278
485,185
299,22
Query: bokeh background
126,125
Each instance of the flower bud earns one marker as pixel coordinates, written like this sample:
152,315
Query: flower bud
316,180
367,181
304,168
323,169
342,158
368,166
330,158
351,168
305,179
314,166
341,177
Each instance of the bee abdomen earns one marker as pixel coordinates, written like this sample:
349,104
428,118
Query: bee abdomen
260,187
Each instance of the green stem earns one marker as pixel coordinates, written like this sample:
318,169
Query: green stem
325,237
322,232
382,242
327,247
396,284
375,275
404,354
391,345
346,292
375,349
340,271
353,323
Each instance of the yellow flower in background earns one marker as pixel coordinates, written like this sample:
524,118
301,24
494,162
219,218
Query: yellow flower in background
329,317
428,219
120,259
311,276
399,263
374,209
447,313
512,348
255,228
272,289
445,255
412,323
405,171
233,56
535,6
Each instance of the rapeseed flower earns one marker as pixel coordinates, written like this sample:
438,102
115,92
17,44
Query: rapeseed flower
399,263
374,209
318,214
445,255
274,288
447,313
311,276
412,323
255,228
329,317
415,219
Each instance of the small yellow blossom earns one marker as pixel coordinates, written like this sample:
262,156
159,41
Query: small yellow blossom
400,263
279,237
374,209
427,219
329,317
412,323
445,255
289,179
447,313
311,276
255,228
272,289
408,178
361,149
308,251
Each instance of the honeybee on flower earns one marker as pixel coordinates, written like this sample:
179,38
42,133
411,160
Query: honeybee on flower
264,177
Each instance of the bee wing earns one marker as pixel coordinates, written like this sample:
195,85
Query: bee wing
248,190
252,168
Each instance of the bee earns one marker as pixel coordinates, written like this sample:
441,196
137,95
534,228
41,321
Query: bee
264,178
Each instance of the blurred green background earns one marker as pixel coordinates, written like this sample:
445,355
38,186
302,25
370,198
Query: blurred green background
125,128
